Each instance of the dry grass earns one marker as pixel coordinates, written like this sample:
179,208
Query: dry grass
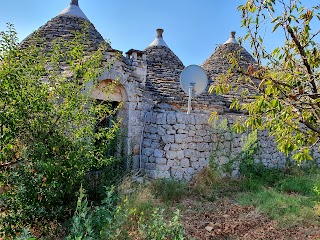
205,181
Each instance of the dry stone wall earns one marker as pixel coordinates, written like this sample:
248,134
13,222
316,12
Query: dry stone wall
175,144
178,145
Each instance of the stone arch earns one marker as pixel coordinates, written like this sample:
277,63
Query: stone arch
110,90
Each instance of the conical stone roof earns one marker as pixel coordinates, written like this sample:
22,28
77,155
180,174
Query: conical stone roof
218,63
69,22
163,72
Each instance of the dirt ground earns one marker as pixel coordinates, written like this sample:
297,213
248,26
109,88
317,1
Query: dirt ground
225,219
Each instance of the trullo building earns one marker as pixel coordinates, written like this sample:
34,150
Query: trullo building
161,138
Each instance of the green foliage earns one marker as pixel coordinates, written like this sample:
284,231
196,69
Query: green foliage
219,130
244,159
48,132
114,216
303,185
25,235
156,228
257,177
105,221
168,190
292,179
285,79
255,174
81,227
247,164
111,172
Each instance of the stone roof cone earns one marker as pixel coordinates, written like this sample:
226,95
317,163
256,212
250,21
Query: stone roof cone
65,25
218,63
163,71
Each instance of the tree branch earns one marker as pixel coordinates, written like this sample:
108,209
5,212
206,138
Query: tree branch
4,165
303,56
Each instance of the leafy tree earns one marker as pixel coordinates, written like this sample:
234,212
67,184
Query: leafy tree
285,79
48,135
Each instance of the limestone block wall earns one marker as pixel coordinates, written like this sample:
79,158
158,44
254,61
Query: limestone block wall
175,144
229,148
178,145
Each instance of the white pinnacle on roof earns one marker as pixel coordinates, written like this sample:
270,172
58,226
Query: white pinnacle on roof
74,10
232,38
159,39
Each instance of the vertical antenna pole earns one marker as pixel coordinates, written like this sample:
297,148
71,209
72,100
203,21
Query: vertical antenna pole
190,95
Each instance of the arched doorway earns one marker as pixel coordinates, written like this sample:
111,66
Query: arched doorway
109,95
110,90
112,93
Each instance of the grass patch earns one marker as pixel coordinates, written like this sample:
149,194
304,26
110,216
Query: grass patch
169,190
303,185
286,196
287,209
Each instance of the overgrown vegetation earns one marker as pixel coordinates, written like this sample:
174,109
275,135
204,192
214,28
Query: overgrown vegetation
52,143
287,197
49,140
122,217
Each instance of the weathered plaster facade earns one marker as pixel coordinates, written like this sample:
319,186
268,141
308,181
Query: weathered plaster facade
162,140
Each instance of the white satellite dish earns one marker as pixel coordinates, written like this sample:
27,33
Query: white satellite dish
193,81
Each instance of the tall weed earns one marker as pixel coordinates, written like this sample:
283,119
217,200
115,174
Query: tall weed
155,226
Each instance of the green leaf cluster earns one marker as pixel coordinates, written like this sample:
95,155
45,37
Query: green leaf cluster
284,83
49,133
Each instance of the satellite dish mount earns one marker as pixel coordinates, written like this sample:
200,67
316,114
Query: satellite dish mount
193,81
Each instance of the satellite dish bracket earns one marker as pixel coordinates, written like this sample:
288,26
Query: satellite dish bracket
191,94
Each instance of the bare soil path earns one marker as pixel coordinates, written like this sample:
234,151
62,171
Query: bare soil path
225,219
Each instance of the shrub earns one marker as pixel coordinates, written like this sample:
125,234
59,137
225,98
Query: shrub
49,140
155,226
168,190
105,221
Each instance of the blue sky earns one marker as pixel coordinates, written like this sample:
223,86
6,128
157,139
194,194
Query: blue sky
192,28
